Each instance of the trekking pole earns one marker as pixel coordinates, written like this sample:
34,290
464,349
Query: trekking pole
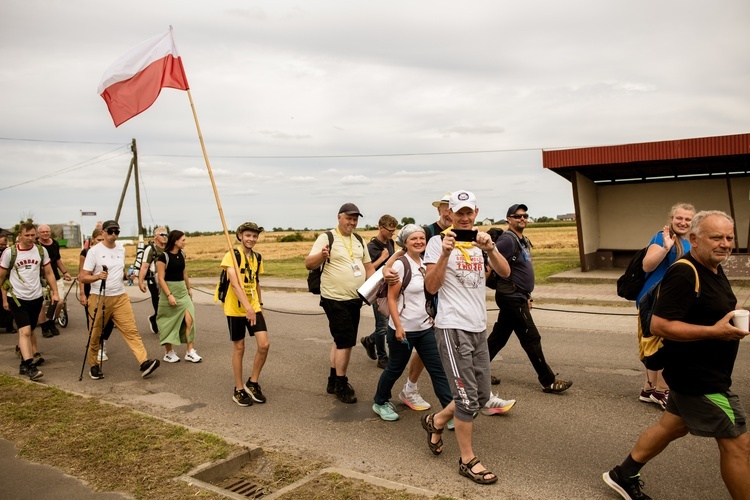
91,324
100,354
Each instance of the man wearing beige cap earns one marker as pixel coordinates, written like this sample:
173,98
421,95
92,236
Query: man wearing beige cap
346,265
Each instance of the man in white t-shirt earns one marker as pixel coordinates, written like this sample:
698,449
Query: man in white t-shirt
24,297
455,271
104,270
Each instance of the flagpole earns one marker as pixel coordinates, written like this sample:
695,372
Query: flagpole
213,184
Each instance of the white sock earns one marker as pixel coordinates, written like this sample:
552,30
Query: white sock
410,386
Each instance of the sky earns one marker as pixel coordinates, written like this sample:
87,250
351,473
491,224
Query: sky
306,105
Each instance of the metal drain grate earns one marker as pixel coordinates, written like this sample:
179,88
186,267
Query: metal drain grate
247,489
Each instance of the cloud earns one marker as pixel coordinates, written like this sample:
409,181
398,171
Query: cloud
355,180
285,136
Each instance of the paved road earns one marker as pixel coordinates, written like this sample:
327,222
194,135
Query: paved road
548,446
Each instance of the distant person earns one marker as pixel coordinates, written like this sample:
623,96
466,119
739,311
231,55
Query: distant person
24,298
243,307
115,304
6,317
176,316
147,272
49,328
347,266
513,298
700,349
85,290
456,272
409,326
380,248
668,245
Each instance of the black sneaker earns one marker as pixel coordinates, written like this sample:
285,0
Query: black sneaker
331,387
46,332
38,360
96,372
152,324
383,362
253,389
369,346
34,373
23,369
52,327
148,367
628,488
345,391
241,398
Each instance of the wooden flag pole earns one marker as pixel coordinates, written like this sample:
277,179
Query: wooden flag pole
213,185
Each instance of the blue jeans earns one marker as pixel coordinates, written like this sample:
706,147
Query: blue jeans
378,336
426,346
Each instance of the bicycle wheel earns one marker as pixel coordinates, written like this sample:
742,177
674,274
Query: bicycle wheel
62,317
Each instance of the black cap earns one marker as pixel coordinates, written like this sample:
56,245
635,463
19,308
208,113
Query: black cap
350,209
515,207
110,224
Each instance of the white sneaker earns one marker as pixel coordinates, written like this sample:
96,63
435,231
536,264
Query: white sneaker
497,406
192,356
102,355
413,400
171,357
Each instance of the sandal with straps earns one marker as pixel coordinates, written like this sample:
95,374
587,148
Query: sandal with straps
428,424
478,477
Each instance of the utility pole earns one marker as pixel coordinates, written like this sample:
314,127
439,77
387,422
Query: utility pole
132,168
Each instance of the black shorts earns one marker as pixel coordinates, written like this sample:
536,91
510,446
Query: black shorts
655,362
27,313
239,324
717,415
343,320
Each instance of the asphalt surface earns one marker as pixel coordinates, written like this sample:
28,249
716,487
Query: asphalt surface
547,447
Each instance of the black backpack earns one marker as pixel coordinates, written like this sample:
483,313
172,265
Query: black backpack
648,301
314,276
493,278
630,284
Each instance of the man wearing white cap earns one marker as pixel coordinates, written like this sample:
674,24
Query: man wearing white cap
347,266
456,272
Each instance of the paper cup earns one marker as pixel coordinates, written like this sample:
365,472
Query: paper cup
741,317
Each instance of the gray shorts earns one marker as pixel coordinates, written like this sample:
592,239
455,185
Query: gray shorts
709,415
466,361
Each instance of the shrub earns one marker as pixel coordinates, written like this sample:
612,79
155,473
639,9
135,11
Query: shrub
292,237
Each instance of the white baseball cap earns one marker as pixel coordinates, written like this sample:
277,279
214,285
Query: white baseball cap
461,199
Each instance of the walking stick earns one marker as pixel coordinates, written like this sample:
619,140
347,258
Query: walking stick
102,288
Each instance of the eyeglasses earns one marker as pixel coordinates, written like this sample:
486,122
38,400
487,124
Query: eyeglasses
389,230
163,234
519,216
113,231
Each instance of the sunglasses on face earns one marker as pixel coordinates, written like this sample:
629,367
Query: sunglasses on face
520,216
113,231
163,234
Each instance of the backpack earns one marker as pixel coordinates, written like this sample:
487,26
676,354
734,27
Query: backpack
382,295
13,254
493,278
222,287
649,343
314,276
630,284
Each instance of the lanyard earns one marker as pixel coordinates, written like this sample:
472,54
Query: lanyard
349,246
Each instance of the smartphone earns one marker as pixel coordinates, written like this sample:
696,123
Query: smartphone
465,234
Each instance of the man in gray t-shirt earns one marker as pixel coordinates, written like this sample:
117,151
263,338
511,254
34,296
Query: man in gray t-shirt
513,298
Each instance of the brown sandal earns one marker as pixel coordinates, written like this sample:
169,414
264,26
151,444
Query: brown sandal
428,424
478,477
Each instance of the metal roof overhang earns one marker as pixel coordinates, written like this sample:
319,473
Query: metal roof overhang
655,161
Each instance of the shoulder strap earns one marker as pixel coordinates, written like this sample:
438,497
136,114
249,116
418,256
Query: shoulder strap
697,280
361,241
407,272
13,255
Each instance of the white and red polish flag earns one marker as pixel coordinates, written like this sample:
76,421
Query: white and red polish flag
131,85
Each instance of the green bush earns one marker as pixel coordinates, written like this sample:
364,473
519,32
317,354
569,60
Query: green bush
292,237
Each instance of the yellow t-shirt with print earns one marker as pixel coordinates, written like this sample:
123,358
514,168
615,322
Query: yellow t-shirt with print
232,307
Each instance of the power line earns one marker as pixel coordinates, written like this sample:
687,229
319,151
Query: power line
57,141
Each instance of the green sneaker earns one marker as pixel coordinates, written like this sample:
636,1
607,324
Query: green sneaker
386,412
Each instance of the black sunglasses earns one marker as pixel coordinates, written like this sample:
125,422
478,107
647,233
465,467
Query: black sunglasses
520,216
163,234
113,231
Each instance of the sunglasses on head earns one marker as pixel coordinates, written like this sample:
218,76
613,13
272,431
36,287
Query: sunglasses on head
113,231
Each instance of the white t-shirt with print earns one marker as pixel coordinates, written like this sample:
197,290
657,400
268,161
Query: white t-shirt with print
462,298
25,277
413,315
114,258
